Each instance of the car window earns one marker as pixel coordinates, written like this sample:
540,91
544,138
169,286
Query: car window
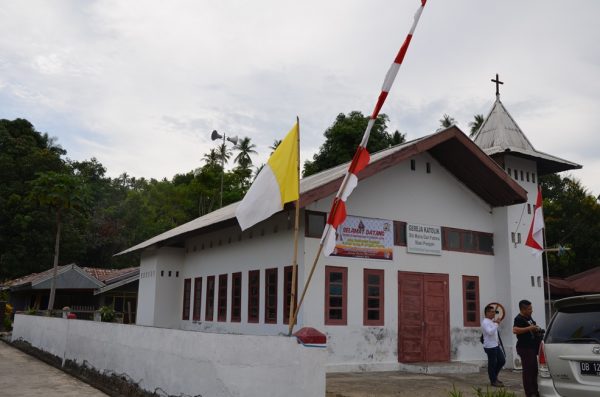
577,324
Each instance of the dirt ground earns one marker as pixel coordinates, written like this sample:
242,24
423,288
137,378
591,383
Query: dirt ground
387,384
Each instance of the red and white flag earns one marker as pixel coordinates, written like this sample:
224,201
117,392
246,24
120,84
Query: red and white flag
535,238
361,158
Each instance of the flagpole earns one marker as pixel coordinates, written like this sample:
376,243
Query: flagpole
358,161
312,270
547,280
292,314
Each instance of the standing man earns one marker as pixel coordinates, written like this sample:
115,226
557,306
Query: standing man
491,345
527,344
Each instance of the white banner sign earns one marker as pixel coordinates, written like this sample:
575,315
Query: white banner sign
423,239
360,237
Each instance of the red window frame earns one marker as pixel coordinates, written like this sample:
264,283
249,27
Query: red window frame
471,301
236,297
222,298
197,298
210,298
187,289
337,302
271,296
253,296
372,299
287,292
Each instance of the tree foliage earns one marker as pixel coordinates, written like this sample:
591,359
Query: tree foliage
108,215
344,136
572,219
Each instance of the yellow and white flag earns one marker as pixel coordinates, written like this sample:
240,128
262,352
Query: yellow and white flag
275,185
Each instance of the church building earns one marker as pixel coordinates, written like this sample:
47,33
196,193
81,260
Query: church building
436,230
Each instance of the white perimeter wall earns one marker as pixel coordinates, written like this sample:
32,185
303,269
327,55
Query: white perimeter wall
183,362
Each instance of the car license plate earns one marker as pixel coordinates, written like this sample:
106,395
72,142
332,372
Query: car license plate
589,368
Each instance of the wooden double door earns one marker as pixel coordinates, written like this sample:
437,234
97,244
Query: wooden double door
423,317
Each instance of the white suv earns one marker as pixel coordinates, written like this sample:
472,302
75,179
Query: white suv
569,356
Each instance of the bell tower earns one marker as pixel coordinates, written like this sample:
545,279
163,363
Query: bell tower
518,273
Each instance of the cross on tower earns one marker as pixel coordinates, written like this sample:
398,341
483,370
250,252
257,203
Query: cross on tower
498,82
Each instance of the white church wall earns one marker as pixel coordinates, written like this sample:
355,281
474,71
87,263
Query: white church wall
180,362
147,289
525,270
169,287
268,245
399,193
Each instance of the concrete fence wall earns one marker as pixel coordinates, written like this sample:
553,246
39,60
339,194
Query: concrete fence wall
183,362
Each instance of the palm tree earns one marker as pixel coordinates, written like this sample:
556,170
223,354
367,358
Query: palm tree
275,145
212,158
446,121
224,154
61,192
476,124
245,149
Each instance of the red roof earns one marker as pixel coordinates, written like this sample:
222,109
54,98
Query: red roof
586,282
106,276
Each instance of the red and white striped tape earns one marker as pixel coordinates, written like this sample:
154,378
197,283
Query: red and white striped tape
361,158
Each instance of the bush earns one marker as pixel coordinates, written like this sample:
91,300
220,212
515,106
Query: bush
107,314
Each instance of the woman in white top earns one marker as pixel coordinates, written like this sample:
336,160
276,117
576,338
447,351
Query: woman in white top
491,345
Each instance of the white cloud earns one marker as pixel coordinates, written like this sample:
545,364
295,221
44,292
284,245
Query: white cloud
141,84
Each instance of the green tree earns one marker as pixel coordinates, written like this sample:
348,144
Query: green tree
275,145
245,148
61,192
477,122
446,121
24,152
572,219
342,139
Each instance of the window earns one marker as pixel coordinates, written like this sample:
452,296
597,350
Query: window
516,175
400,233
471,301
518,238
253,295
187,286
315,223
509,172
532,177
468,241
532,281
513,237
197,298
271,296
335,295
373,302
222,301
413,165
287,292
528,208
210,298
527,175
522,176
236,297
428,167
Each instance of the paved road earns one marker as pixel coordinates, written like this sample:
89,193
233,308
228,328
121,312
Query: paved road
402,384
26,376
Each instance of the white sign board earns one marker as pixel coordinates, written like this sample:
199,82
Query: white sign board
423,239
360,237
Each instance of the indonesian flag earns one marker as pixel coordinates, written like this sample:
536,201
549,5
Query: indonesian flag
535,238
275,185
361,158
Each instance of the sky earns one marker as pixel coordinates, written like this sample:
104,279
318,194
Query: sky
140,85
